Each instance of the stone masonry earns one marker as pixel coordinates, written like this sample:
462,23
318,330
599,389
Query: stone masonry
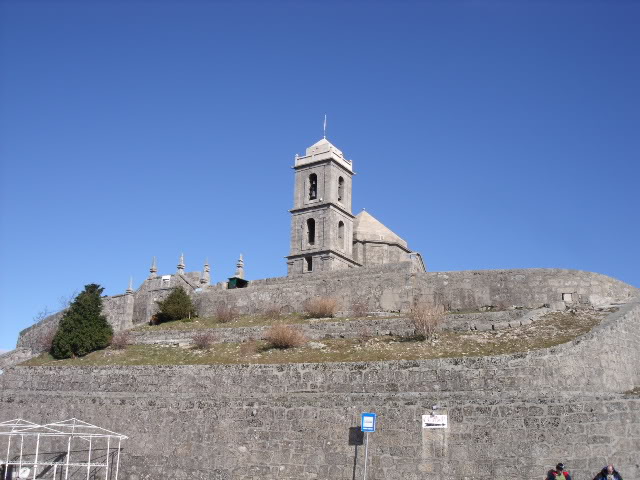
516,413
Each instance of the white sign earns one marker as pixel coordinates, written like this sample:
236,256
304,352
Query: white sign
434,421
24,472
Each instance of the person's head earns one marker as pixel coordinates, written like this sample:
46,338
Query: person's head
610,468
560,467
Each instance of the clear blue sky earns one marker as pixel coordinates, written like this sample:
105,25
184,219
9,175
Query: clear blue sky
489,134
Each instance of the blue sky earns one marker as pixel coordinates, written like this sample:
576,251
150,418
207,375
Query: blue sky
489,134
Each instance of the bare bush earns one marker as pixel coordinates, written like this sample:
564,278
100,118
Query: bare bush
272,312
359,307
364,335
224,313
66,300
46,340
42,314
250,347
121,340
284,336
426,319
203,340
321,307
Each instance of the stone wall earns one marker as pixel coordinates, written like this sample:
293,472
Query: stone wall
119,311
14,357
390,288
36,337
514,415
395,287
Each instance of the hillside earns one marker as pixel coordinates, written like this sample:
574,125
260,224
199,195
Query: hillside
365,341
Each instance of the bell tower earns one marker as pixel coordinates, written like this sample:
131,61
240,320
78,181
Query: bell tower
321,218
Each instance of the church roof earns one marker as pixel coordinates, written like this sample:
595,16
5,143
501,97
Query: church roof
323,145
366,227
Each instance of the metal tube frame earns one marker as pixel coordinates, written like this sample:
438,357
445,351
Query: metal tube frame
72,428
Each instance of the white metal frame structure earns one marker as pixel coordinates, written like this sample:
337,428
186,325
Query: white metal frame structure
60,440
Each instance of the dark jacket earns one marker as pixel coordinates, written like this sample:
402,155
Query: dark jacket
552,474
603,475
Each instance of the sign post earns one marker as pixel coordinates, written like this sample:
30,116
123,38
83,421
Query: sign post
368,424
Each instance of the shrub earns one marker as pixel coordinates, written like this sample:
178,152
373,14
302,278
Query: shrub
121,340
224,313
273,312
364,335
203,340
249,347
83,328
321,307
177,306
284,336
426,319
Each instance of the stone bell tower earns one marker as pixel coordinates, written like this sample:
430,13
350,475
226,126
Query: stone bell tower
321,218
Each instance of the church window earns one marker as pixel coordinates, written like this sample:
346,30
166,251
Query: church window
311,231
340,189
309,263
341,234
313,186
166,280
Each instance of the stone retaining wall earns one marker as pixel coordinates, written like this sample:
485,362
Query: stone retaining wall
388,288
514,415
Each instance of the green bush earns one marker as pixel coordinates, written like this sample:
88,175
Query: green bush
83,329
177,306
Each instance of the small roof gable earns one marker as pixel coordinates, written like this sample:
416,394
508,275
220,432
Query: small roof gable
366,227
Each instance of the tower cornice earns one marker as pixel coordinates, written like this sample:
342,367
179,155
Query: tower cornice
321,206
321,161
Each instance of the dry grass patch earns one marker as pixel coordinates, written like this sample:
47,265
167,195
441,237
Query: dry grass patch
321,307
250,347
224,313
284,336
426,319
272,312
203,340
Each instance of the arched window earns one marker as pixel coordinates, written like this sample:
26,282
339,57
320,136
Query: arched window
341,234
309,261
340,189
311,231
313,186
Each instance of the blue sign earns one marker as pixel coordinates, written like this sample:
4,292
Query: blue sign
368,422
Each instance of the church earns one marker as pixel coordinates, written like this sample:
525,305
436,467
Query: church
325,235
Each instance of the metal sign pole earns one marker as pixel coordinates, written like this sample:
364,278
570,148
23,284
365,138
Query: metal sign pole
366,453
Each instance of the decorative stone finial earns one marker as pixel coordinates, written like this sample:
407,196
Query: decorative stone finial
181,265
129,290
205,279
240,268
154,268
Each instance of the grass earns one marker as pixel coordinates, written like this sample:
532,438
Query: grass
553,329
633,393
240,321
